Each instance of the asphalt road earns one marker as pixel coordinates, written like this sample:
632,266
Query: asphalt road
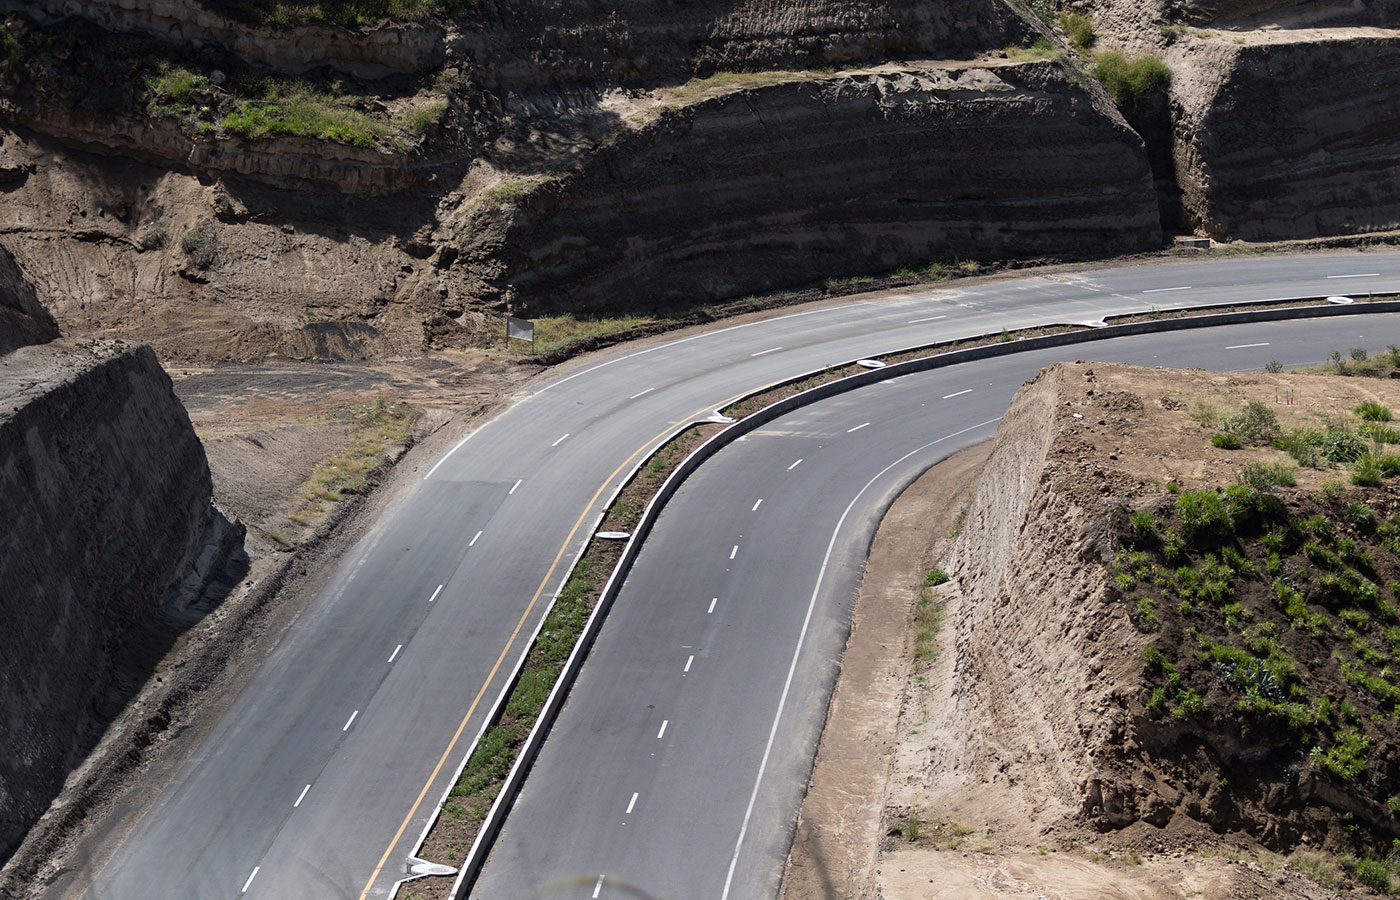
320,775
679,763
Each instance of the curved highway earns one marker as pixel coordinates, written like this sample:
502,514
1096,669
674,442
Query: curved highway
320,775
679,763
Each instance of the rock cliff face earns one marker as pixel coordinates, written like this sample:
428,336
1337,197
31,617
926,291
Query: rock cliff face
1289,139
107,502
864,171
23,319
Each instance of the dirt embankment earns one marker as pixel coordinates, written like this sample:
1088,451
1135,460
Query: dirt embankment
1032,755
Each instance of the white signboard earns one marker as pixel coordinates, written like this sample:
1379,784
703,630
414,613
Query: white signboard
520,329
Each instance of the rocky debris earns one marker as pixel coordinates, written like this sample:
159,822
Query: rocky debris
108,524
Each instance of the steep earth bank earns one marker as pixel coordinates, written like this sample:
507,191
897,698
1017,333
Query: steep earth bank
108,524
1284,115
1041,748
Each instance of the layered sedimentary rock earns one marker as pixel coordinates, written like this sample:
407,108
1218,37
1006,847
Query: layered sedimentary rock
106,498
853,173
1289,137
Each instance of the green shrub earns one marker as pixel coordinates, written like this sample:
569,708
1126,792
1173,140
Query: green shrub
1380,432
1256,423
1273,367
1389,464
935,578
1360,515
1359,354
1372,411
1264,477
1372,873
1342,446
1129,81
1079,31
1346,758
1147,614
1367,472
420,120
1202,513
1226,441
1144,525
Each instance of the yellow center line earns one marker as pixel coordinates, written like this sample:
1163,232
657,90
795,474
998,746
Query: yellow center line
513,635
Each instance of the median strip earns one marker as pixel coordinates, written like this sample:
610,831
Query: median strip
475,803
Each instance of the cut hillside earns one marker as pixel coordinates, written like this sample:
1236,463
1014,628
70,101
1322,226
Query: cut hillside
1161,667
245,180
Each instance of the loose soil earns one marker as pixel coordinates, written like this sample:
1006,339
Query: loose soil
987,831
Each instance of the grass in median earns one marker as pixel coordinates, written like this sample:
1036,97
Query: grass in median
484,775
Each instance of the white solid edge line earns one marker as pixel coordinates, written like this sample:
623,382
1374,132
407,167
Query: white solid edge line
1164,290
769,350
802,637
631,803
249,882
301,796
1362,275
857,428
647,391
561,440
350,721
958,394
664,723
1243,346
756,504
516,485
713,601
929,319
394,655
435,594
794,465
598,887
475,538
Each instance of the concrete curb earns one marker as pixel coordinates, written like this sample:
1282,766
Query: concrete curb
495,818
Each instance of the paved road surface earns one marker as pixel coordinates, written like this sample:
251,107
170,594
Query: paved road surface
647,781
319,776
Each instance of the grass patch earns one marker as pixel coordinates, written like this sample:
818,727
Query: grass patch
379,427
1041,49
1078,30
292,108
1129,81
554,332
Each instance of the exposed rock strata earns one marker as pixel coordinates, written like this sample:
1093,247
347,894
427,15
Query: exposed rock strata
1289,138
865,172
411,47
107,507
